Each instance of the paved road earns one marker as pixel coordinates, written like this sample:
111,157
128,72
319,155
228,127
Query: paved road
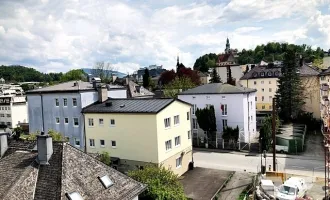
239,162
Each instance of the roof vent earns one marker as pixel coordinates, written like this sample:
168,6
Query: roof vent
108,104
73,196
122,106
106,181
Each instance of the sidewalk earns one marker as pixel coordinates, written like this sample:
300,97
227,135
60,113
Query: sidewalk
246,153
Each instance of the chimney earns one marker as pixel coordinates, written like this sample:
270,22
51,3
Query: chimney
3,143
102,93
126,80
45,148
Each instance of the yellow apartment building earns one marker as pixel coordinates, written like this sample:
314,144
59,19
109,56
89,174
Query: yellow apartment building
137,132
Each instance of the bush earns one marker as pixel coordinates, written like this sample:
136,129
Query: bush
105,158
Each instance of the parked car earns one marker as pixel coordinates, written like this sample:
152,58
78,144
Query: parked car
282,149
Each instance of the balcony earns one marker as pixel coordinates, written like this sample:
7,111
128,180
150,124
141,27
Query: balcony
325,87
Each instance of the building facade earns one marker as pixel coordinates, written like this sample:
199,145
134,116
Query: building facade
141,131
234,106
13,111
59,108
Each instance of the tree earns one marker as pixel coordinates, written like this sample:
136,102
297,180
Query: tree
207,121
206,62
231,134
290,98
104,71
189,73
215,77
105,158
230,79
161,183
265,137
18,131
74,75
146,78
173,88
25,87
167,77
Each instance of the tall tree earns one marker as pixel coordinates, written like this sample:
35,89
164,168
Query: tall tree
206,62
73,75
192,74
161,183
166,77
215,77
104,71
173,88
146,78
230,79
207,121
290,98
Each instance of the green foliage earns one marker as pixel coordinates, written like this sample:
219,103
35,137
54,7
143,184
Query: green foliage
206,62
162,184
18,131
308,119
56,136
230,133
215,77
74,75
146,80
179,83
207,121
105,158
265,136
290,98
31,137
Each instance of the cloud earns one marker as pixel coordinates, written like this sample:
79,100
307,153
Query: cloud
247,29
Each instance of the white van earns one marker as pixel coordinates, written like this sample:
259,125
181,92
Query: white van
291,189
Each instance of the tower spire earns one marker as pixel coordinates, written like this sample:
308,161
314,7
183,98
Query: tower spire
227,46
177,60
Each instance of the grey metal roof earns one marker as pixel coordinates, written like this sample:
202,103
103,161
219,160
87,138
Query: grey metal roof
218,88
144,105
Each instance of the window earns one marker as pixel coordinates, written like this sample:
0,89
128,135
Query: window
57,103
223,97
168,145
262,82
177,141
8,108
224,123
262,74
262,89
270,89
74,196
113,144
188,115
2,115
263,107
66,120
251,118
57,120
189,135
5,108
270,107
77,142
322,78
224,109
65,102
101,122
167,122
90,122
195,124
255,82
270,98
106,182
262,98
102,143
178,162
91,142
112,122
270,82
8,123
176,120
194,109
256,98
251,104
75,121
74,102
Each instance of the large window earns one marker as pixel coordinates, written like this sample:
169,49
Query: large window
74,102
177,141
224,123
75,121
168,145
57,103
176,119
178,162
224,109
90,122
91,142
167,122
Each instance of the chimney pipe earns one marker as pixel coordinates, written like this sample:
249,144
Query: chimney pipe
45,148
102,94
3,143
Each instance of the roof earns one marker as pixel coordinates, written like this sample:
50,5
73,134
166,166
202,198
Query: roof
143,105
307,70
218,88
325,72
69,170
262,71
136,90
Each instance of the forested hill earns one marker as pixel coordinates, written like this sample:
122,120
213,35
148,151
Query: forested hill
17,73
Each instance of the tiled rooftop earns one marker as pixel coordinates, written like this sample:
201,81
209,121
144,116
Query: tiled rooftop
217,88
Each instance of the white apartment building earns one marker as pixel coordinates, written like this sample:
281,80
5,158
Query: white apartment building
234,106
13,111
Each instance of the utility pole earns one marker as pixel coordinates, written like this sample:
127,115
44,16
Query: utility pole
273,134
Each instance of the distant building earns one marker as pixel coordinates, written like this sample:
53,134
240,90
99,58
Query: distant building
13,111
49,170
137,91
204,77
58,107
154,71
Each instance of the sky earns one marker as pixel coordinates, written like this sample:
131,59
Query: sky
59,35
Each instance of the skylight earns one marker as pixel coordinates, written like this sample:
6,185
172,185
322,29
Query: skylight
74,196
105,180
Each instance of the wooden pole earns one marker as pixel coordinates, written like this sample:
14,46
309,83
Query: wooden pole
274,138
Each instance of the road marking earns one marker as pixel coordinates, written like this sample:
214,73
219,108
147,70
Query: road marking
299,167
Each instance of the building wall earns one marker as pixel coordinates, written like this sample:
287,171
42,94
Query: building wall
236,109
250,127
312,95
205,79
266,87
135,136
34,112
117,93
236,72
19,114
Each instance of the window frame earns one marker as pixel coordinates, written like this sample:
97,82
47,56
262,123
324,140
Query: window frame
167,125
92,141
90,120
194,108
73,102
224,125
74,123
113,146
166,145
101,143
177,141
57,120
195,125
176,121
57,102
224,112
101,119
65,102
114,122
180,162
75,142
66,118
188,115
8,115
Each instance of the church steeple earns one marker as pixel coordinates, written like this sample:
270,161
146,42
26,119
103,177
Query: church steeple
177,60
227,46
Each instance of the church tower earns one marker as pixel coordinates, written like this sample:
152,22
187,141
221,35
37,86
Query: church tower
227,50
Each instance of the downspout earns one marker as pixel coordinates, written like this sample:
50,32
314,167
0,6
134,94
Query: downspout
42,112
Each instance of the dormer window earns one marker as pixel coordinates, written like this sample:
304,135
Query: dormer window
277,73
105,180
269,74
74,196
262,74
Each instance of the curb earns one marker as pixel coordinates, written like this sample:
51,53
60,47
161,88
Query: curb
224,183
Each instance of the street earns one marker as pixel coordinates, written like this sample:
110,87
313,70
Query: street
300,165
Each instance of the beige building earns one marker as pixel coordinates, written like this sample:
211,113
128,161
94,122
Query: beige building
140,131
204,78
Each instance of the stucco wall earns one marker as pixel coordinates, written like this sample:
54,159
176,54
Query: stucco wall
312,95
19,113
236,72
170,163
117,93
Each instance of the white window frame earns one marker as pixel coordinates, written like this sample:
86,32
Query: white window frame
170,145
112,124
101,120
195,124
189,135
90,121
180,162
177,141
57,102
75,142
176,120
8,115
167,122
101,143
115,143
224,123
224,112
74,125
59,120
65,102
194,108
92,141
65,119
74,100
